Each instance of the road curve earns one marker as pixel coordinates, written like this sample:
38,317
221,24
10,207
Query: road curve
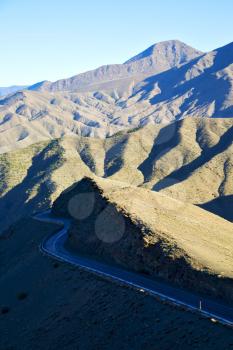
54,247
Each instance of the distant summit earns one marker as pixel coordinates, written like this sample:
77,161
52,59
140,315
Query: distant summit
11,89
156,59
168,81
170,52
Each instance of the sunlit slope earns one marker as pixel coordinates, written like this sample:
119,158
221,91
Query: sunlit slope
150,232
190,160
149,91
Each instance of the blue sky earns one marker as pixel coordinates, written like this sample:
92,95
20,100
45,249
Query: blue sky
52,39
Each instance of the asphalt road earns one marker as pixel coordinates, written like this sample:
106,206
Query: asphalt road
54,246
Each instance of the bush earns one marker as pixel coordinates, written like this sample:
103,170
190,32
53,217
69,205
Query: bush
56,265
4,309
22,295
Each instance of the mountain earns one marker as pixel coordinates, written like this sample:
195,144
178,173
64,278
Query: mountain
11,89
154,60
202,87
190,160
151,190
110,99
165,55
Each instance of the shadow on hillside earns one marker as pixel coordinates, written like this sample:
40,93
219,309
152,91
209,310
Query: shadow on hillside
222,206
20,200
113,161
186,170
167,139
162,258
204,88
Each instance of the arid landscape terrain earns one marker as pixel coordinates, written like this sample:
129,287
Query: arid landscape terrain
150,233
138,158
62,306
190,160
166,82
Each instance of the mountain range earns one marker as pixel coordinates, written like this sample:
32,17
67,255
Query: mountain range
139,157
167,82
156,59
11,89
190,160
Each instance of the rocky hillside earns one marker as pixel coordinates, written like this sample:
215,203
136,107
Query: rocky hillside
190,160
150,233
156,59
167,82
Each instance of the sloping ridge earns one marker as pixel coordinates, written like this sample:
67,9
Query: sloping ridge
11,89
149,157
149,232
160,87
201,87
155,59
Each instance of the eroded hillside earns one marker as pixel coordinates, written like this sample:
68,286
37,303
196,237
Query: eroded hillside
190,160
151,233
169,82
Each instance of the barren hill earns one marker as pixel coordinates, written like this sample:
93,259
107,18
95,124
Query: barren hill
151,233
190,160
184,83
156,59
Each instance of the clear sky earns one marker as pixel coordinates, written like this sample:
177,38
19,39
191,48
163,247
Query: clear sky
52,39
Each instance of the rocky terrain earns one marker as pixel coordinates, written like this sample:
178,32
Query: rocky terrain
190,160
156,59
167,82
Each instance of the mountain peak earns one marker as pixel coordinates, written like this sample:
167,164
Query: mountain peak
154,60
174,51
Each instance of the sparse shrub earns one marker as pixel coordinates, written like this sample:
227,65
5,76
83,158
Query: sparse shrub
55,265
22,295
4,310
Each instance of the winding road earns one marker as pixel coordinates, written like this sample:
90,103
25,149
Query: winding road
54,247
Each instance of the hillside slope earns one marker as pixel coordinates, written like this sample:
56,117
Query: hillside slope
100,103
156,59
190,160
201,87
151,233
63,305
